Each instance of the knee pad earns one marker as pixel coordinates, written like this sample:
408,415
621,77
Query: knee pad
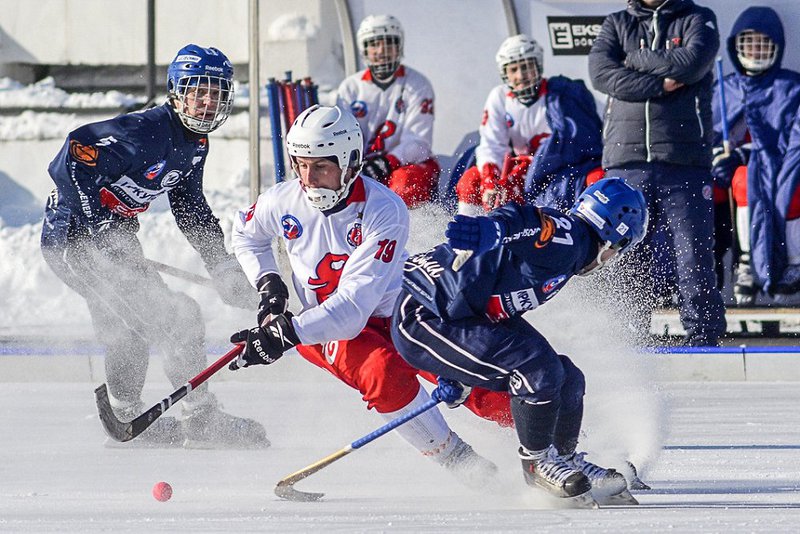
185,321
414,183
468,188
739,186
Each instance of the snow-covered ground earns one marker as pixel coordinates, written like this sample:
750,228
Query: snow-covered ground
729,464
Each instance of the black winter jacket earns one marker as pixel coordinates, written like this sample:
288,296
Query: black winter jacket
636,50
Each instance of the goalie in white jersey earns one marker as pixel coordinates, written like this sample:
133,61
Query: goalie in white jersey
394,106
345,237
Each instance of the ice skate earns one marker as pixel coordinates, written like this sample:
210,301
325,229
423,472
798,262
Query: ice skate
744,290
164,432
608,486
549,472
636,483
467,466
206,426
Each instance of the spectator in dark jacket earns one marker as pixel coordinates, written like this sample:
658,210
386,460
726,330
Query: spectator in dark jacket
654,61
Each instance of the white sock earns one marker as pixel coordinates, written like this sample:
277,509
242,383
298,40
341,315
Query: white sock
427,432
743,228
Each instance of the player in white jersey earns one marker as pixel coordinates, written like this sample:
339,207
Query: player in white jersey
345,237
394,106
519,118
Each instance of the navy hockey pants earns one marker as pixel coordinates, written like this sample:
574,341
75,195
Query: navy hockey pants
131,306
507,356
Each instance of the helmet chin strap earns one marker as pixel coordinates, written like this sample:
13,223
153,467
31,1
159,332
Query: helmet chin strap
323,198
598,262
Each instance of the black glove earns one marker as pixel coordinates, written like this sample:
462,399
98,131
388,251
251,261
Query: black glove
724,165
232,285
377,167
264,345
451,392
274,296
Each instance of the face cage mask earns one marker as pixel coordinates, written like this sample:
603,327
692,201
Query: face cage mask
755,51
384,70
530,92
323,198
212,110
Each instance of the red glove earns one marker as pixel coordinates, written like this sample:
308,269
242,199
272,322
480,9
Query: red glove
512,184
497,189
490,175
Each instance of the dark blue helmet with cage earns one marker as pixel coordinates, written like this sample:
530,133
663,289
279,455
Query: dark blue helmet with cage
200,86
616,212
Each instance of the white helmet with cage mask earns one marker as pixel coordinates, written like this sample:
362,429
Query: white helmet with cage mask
388,30
526,52
327,132
755,51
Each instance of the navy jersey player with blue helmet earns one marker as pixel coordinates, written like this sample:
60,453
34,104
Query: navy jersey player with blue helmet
459,315
106,174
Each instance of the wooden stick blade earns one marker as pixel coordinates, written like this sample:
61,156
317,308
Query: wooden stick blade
286,491
285,487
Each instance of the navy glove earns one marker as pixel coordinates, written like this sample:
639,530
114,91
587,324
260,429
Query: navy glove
724,165
478,234
274,296
264,345
232,284
377,167
451,392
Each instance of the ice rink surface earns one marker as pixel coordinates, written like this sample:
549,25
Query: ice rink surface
729,462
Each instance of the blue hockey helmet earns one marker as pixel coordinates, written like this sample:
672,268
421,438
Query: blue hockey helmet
200,85
616,212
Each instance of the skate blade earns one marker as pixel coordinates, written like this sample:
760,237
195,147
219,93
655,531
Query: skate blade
583,501
623,498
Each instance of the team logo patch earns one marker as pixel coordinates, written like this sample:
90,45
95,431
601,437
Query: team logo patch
292,229
86,154
202,144
154,170
547,232
553,283
509,120
707,192
400,105
250,213
171,179
354,235
359,109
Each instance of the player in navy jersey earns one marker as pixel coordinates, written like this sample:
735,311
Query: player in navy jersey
106,174
459,315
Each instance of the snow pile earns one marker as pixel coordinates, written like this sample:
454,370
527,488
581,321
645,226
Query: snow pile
45,94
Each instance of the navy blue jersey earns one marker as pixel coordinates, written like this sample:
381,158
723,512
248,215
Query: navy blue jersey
543,248
115,168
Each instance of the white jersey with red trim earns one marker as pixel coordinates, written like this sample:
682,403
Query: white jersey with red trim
347,263
397,120
506,122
